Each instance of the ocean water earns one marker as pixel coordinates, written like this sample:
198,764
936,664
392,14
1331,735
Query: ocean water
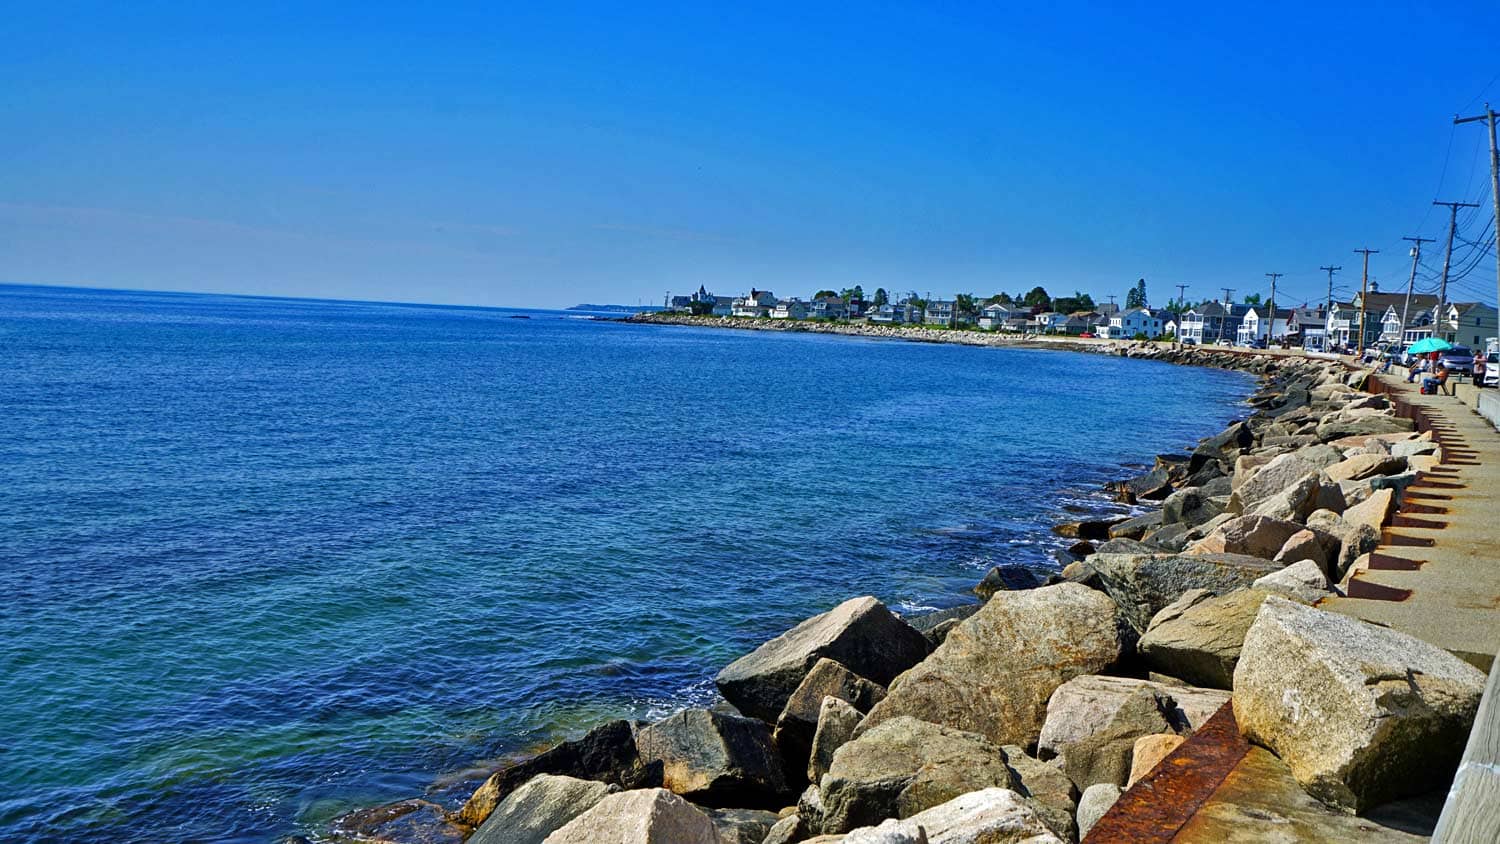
264,561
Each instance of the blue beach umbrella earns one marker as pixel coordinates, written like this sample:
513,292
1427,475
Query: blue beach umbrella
1429,344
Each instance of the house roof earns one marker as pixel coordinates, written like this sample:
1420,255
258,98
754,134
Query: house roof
1381,301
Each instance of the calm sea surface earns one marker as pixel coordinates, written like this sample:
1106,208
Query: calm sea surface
266,560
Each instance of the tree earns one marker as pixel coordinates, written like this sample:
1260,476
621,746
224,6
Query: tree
1073,304
1037,298
1135,297
821,293
850,294
1252,299
1000,299
963,304
881,297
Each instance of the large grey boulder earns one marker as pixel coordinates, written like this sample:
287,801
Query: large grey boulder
1106,754
1201,644
743,826
799,719
1360,466
1191,506
1305,582
1340,425
1096,801
902,767
860,634
788,830
837,720
995,671
989,816
1142,584
1046,789
647,816
1355,540
606,753
541,806
1258,536
1304,495
1276,476
1082,706
713,758
1361,714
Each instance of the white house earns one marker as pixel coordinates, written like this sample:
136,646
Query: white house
940,312
1133,321
758,304
1050,322
895,314
1259,325
993,317
790,309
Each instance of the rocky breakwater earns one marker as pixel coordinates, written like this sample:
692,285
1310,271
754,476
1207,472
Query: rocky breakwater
1023,718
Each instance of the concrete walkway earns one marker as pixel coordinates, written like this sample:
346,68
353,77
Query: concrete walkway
1436,575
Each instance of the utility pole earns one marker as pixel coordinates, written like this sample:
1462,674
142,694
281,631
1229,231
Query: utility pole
1416,255
1489,115
1364,291
1224,320
1181,292
1271,332
1328,311
1439,317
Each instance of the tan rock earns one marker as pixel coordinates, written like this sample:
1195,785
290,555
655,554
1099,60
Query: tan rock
1148,753
1258,536
1202,644
1361,714
1082,706
995,671
1305,581
1373,511
1362,466
990,816
646,816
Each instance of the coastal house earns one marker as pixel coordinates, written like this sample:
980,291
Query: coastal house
993,317
1468,324
1018,324
830,307
940,312
1305,327
1259,325
1212,322
1129,323
1108,309
723,306
895,314
758,304
1079,322
1050,322
679,303
790,309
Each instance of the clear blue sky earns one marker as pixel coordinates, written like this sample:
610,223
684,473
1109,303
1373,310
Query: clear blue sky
544,154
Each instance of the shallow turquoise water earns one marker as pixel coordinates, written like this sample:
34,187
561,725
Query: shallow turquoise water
266,560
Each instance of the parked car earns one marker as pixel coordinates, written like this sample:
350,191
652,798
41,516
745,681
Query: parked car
1491,370
1087,335
1190,341
1459,359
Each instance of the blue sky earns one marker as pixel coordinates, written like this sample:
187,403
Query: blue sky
546,154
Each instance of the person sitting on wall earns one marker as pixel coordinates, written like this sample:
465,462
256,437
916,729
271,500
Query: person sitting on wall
1418,366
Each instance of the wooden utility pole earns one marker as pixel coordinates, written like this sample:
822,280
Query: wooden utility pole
1490,116
1271,332
1416,255
1439,315
1364,292
1181,292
